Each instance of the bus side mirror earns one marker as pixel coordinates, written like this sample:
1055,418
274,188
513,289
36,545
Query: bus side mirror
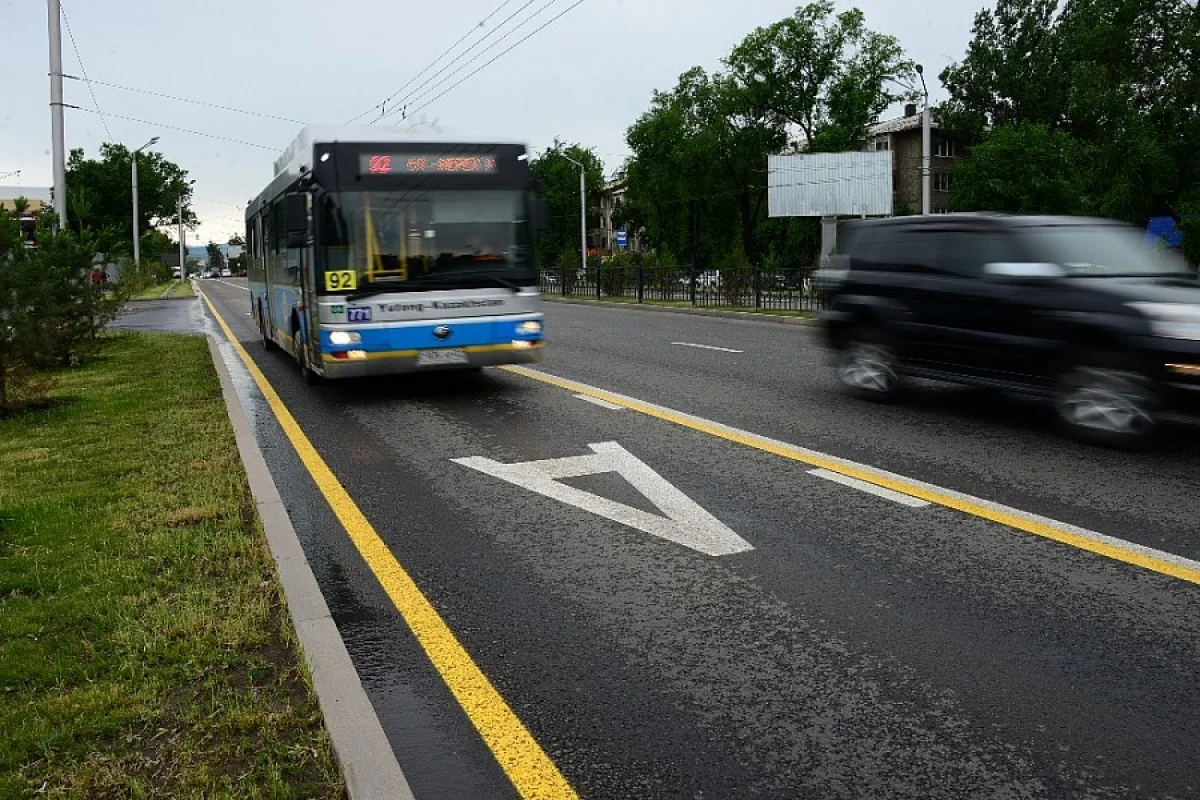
295,212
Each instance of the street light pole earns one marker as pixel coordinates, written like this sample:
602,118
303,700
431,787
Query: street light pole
926,146
582,213
137,239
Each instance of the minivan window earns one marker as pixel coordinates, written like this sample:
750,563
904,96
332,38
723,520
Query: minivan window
896,248
966,252
1102,250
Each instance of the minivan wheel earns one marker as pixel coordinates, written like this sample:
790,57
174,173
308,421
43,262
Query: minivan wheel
1107,405
868,366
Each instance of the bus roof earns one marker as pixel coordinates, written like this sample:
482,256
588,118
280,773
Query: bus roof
296,154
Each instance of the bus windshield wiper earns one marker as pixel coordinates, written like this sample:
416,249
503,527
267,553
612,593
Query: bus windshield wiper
364,294
450,277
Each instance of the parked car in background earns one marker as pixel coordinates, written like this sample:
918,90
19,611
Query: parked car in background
225,273
1079,311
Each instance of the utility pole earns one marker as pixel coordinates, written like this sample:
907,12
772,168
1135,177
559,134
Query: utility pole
56,112
182,233
582,215
137,239
182,249
926,142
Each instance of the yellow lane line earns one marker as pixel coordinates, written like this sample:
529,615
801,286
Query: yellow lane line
1099,544
531,771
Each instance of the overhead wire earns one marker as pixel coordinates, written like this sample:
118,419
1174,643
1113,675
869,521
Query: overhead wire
402,102
500,55
187,100
433,63
181,130
79,57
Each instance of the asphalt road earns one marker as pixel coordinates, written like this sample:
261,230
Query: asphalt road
846,645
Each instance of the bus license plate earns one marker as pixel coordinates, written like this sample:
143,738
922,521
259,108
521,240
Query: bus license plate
432,358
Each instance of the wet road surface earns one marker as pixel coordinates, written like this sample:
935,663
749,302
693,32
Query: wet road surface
862,647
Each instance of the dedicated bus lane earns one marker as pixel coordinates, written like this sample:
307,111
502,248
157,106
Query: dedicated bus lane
546,596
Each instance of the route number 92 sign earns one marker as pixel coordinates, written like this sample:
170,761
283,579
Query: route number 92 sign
340,280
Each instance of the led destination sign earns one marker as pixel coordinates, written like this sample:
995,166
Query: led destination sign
425,164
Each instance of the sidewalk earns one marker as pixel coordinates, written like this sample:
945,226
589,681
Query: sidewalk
757,316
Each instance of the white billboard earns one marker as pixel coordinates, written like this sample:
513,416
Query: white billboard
830,184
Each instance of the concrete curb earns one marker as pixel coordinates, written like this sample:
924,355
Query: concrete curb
696,312
368,764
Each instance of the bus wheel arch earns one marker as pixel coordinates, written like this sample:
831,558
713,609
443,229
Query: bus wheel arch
300,351
264,327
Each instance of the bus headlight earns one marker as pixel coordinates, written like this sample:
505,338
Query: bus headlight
529,327
344,337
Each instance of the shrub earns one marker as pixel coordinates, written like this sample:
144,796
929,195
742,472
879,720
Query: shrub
737,278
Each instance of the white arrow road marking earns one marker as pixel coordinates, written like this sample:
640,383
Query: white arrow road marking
870,488
685,522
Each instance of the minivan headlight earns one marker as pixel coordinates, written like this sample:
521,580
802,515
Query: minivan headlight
1172,320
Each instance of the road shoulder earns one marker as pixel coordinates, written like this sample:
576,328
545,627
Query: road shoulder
362,749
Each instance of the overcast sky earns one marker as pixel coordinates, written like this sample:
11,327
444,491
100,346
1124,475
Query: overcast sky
584,78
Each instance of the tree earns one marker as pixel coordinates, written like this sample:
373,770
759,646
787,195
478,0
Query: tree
826,74
1050,179
100,198
560,189
1012,72
50,311
216,259
238,263
1117,77
698,175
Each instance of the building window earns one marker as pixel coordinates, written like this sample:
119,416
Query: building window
945,148
883,143
942,181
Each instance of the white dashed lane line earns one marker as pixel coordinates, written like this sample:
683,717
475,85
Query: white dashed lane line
707,347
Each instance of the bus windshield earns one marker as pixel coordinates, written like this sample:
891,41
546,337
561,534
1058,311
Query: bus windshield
414,240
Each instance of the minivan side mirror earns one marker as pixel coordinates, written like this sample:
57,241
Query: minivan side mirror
1023,271
295,213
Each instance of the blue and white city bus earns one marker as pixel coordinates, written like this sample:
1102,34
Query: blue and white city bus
374,253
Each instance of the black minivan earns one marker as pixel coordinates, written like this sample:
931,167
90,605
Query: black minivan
1078,310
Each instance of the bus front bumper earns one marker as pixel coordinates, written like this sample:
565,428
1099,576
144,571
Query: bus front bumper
360,364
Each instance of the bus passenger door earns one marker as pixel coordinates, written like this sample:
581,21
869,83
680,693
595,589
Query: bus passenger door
300,264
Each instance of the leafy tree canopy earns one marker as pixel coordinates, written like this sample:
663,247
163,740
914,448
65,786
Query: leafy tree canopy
100,198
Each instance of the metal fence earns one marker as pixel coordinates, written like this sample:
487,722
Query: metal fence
757,288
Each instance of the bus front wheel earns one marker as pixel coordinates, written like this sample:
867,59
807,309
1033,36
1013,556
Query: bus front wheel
264,329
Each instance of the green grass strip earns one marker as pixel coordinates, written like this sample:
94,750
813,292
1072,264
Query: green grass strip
144,646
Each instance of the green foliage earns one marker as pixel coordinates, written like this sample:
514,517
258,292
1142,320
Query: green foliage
737,278
617,274
100,197
560,189
1011,73
696,182
216,259
824,73
1050,179
51,312
1189,222
1092,110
